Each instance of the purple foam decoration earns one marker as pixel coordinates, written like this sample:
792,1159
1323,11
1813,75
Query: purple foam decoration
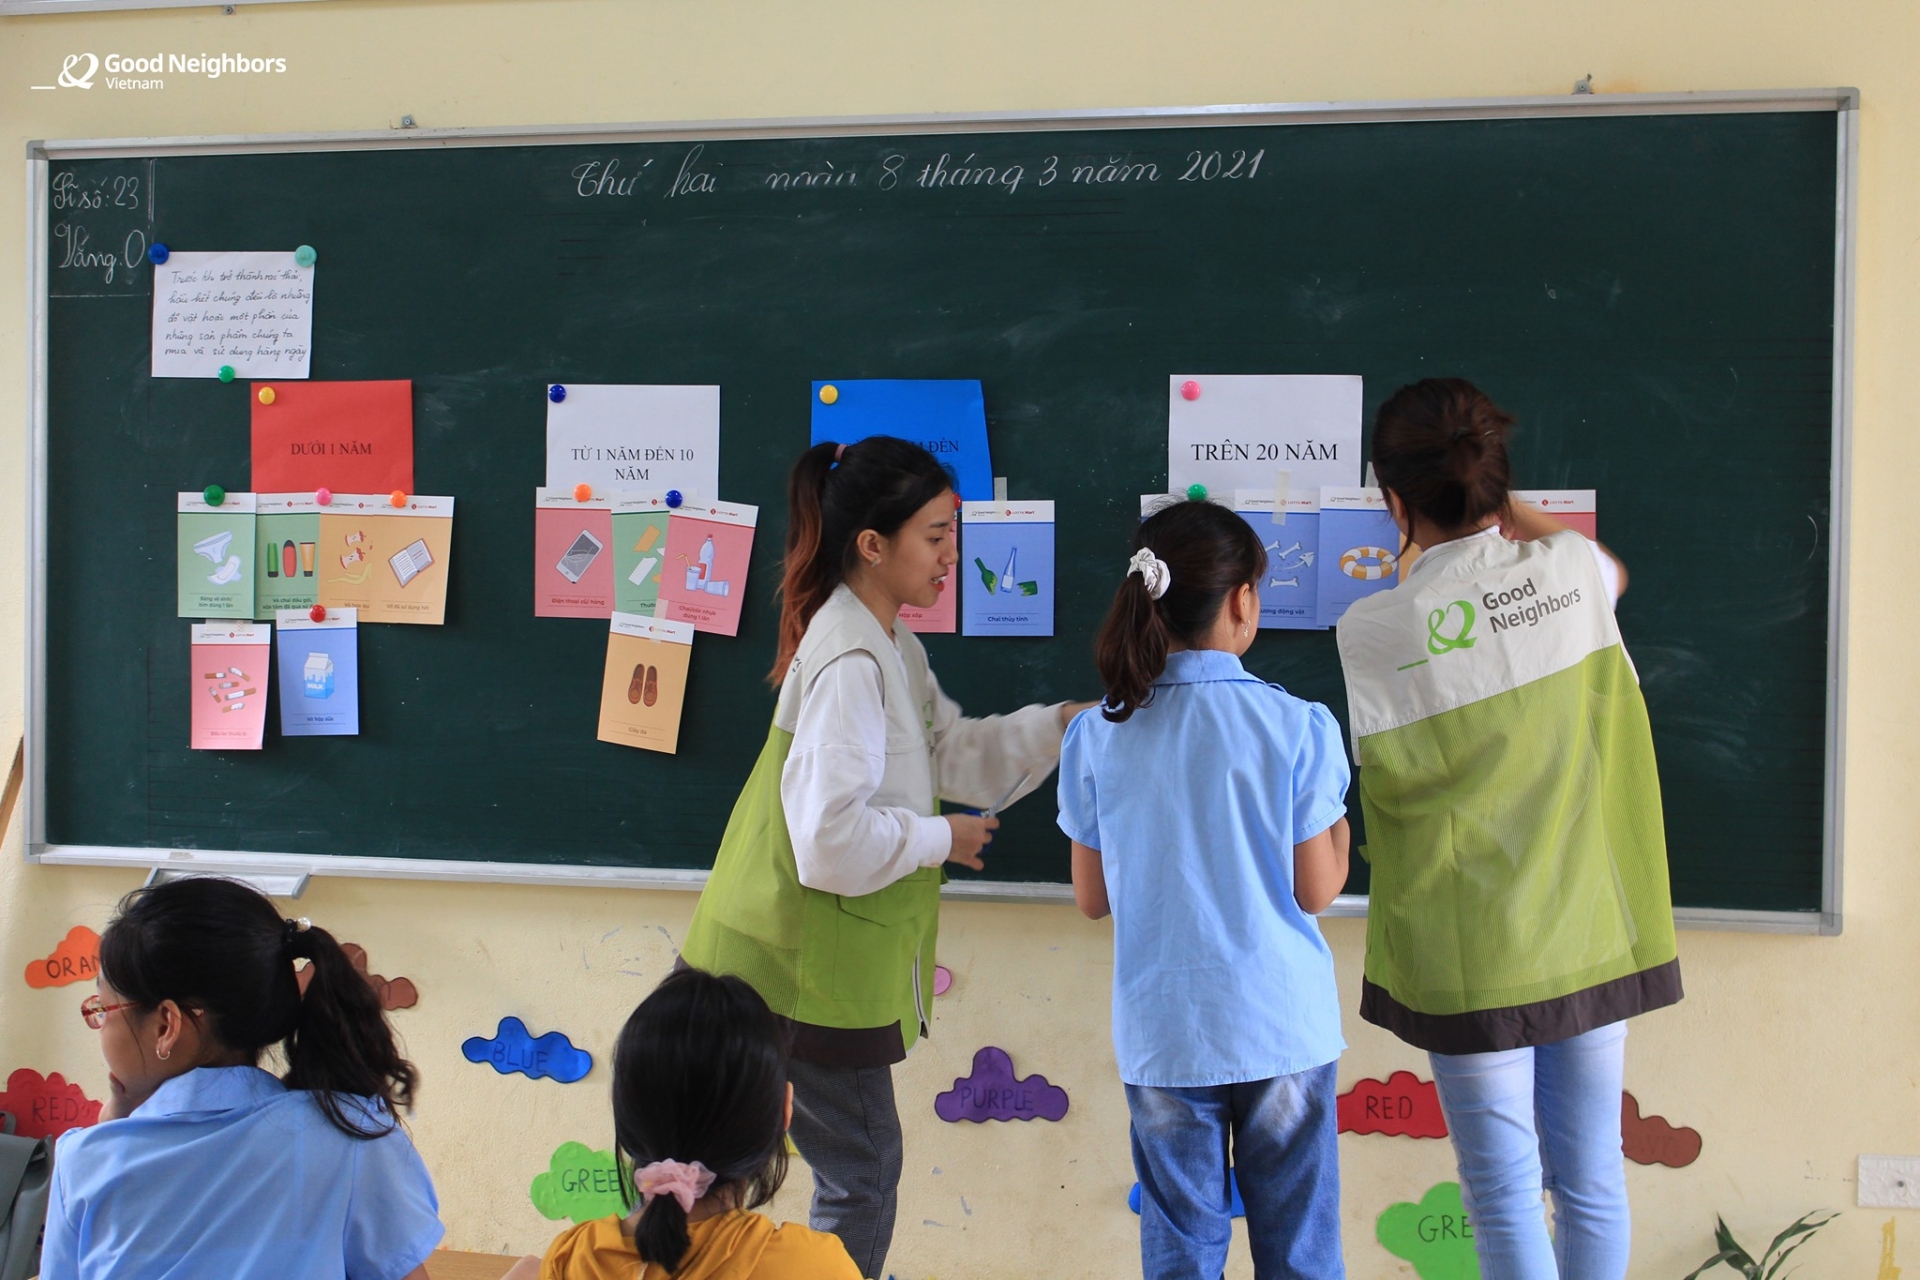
992,1092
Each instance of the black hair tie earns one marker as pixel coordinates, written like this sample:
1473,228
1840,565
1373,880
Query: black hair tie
290,935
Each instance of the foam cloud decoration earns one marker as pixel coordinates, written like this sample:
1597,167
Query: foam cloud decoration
1236,1206
514,1048
76,959
394,993
1654,1139
1433,1235
580,1183
992,1092
1402,1105
46,1106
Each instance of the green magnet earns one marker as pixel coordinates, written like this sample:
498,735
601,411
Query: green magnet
305,255
214,495
226,373
1196,493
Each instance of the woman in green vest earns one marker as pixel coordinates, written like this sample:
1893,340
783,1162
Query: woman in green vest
1519,910
825,895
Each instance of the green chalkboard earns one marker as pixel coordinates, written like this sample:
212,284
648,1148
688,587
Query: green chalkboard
1652,295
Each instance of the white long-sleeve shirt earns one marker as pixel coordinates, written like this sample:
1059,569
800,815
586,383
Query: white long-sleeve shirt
842,843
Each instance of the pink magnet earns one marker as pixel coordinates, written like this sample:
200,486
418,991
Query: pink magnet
1190,390
942,980
323,497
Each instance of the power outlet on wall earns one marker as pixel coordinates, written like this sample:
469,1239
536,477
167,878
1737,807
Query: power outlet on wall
1889,1182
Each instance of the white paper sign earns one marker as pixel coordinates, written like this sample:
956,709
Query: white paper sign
1242,431
620,437
251,311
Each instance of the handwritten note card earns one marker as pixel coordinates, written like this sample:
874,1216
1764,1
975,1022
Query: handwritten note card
250,311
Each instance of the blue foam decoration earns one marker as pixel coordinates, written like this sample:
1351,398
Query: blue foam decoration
514,1048
945,415
1239,1206
158,254
556,393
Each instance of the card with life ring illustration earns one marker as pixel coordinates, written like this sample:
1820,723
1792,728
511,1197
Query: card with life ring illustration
1359,549
1290,532
645,682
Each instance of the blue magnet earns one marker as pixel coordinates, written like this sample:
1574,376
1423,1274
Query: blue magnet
158,254
305,256
673,498
556,393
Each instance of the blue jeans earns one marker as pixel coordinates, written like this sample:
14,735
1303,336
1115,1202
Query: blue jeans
1542,1119
1284,1147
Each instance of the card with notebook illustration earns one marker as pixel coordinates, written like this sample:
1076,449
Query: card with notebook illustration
388,562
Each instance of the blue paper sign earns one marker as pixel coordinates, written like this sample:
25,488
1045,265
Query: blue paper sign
319,669
947,417
1006,569
1359,549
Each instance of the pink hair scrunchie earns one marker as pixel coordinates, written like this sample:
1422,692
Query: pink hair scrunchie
684,1182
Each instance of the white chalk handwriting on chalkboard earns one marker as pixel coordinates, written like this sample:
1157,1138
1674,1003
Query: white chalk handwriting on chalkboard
695,174
99,228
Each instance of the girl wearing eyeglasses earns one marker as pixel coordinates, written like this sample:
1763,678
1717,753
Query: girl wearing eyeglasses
208,1165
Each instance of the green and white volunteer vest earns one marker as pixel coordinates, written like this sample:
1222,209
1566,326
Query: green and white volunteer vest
821,958
1512,804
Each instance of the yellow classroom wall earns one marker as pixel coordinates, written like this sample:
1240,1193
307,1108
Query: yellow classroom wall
1791,1055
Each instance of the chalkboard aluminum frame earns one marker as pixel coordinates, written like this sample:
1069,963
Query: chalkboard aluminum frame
1845,102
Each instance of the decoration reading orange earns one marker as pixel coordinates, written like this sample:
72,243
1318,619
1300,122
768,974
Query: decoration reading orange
76,959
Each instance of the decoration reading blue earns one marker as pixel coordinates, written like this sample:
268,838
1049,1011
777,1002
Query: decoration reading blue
945,415
514,1048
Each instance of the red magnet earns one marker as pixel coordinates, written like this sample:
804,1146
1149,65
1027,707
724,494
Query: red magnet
318,613
1190,390
324,497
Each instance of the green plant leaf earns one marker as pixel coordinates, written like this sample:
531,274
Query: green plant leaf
1725,1255
1802,1228
1740,1259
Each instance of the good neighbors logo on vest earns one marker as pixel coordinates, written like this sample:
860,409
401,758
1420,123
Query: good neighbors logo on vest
149,71
1524,606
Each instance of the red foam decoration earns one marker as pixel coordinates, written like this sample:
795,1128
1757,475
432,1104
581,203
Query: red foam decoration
1402,1105
1654,1139
46,1106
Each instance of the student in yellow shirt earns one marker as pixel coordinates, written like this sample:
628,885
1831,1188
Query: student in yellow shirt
701,1106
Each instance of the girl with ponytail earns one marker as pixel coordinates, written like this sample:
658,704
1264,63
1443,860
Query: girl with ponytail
701,1106
1207,811
205,1164
1519,909
825,893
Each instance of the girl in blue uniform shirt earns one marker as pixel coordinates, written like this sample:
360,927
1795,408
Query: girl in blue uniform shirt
206,1165
1207,810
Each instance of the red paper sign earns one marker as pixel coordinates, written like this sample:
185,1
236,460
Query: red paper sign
46,1106
351,437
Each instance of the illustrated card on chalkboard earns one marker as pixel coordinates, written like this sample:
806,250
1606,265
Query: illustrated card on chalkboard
1008,570
229,686
946,416
943,619
319,669
645,682
248,312
1359,549
388,562
351,437
1290,588
639,524
286,574
624,437
1262,431
1575,508
214,555
572,555
705,577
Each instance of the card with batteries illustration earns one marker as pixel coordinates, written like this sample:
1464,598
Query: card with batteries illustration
1290,588
286,572
645,682
1007,568
387,561
319,669
229,686
572,554
215,555
703,579
639,550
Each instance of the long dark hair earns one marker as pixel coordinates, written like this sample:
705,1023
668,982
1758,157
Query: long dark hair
699,1073
1441,444
878,483
1210,552
220,948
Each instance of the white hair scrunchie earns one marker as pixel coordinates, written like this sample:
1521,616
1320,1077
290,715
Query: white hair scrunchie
1153,572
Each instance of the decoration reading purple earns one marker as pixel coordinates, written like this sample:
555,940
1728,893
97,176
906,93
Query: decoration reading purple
992,1092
